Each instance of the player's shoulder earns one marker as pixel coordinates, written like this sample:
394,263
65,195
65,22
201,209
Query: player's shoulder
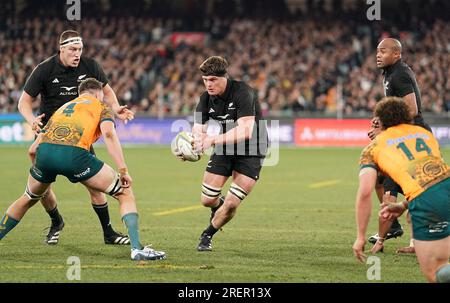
204,96
89,62
403,69
366,157
97,103
103,105
371,146
414,129
241,88
48,64
240,85
392,135
106,112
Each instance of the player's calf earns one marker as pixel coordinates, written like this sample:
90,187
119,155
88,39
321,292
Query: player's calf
6,225
226,212
17,210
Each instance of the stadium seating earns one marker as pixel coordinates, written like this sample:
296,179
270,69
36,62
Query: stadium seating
295,63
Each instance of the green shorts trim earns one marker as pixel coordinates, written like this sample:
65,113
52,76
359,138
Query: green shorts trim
75,163
430,212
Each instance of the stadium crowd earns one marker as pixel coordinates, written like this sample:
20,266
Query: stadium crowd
297,64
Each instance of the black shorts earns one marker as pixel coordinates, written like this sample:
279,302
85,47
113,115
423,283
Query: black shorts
249,166
389,185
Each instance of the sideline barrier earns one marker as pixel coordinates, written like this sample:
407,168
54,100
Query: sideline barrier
300,132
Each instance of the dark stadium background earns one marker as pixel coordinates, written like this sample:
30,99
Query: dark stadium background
313,64
306,58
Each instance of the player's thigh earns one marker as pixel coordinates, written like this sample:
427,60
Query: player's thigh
218,170
390,186
102,180
243,181
214,180
246,170
430,213
379,188
432,255
97,197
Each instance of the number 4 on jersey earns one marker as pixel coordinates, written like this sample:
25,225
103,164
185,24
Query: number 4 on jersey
420,146
68,111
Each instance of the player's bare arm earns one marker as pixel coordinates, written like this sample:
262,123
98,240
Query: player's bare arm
367,179
243,131
25,107
410,100
115,150
33,148
122,112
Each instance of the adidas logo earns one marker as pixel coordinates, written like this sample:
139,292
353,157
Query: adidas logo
55,81
211,110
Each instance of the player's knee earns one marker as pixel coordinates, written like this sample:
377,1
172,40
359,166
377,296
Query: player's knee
210,194
237,192
127,192
115,188
97,197
32,197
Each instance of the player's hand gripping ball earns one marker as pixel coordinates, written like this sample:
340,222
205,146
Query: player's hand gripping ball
182,147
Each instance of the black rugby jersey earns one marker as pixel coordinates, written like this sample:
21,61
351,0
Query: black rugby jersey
399,81
58,84
238,100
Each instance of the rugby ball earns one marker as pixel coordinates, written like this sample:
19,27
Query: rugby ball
182,144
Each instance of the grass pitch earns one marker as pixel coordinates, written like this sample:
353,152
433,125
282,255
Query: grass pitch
297,225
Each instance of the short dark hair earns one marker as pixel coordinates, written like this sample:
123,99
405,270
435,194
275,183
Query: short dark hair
214,66
392,111
90,84
68,34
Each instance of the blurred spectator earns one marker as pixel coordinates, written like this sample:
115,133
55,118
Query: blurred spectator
295,60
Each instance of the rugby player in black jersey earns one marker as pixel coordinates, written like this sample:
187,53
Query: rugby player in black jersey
56,79
239,150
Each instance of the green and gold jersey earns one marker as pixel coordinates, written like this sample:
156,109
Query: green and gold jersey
77,123
408,154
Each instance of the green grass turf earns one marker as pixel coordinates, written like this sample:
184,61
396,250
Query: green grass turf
296,226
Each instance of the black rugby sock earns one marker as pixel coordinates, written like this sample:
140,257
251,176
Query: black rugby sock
210,230
103,215
55,216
